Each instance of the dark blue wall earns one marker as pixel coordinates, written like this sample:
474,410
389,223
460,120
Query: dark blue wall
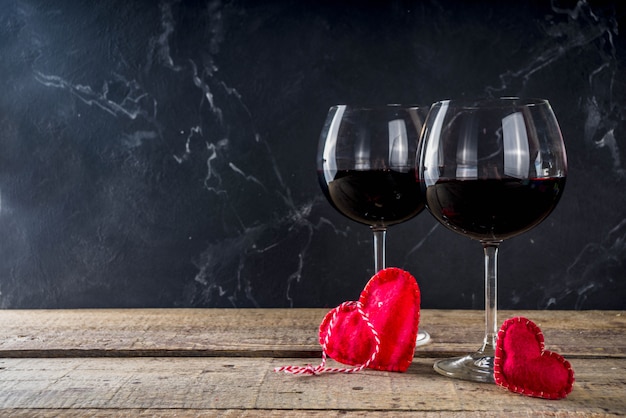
163,153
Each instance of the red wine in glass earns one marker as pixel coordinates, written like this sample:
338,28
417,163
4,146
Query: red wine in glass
374,197
487,209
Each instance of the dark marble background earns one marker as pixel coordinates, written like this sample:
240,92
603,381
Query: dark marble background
162,154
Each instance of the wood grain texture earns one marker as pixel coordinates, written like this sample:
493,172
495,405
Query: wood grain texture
205,384
219,362
272,332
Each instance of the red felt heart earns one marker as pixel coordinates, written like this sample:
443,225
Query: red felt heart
522,365
391,301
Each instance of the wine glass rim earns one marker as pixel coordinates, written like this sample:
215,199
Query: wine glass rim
387,106
485,103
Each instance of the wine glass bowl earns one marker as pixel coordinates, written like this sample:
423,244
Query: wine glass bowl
366,162
490,170
366,165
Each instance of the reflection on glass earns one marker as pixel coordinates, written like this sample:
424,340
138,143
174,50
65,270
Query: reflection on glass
515,140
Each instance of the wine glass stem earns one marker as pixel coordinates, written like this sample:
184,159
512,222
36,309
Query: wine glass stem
380,234
491,295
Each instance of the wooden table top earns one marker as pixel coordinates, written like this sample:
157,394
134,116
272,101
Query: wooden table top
219,362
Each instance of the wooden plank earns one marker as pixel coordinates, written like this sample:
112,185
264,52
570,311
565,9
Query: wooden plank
149,332
205,386
238,413
272,332
458,331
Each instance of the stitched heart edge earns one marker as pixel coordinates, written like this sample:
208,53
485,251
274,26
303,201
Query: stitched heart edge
498,372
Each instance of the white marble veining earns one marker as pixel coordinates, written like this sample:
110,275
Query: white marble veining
168,149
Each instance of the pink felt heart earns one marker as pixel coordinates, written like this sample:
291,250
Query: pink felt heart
522,365
391,302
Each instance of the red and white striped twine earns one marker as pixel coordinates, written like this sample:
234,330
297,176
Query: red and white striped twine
310,370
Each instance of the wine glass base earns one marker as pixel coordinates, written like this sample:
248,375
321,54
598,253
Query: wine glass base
422,338
477,367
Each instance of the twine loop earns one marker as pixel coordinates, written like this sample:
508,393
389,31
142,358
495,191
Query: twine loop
321,368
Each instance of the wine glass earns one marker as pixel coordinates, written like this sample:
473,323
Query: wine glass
490,170
366,168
